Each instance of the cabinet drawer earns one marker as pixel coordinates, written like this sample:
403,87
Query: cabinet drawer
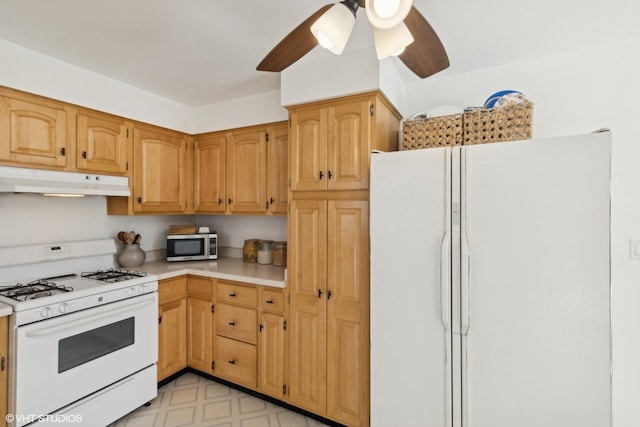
235,322
172,289
238,294
236,361
273,300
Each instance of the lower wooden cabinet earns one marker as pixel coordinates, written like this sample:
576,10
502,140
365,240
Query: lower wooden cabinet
4,363
172,326
271,344
172,338
199,334
236,361
231,330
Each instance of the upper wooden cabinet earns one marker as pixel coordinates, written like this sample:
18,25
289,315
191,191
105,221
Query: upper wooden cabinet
331,142
210,173
278,168
33,132
159,171
101,142
242,170
247,171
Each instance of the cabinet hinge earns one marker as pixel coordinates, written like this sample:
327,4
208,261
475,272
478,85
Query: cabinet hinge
267,137
284,325
284,389
371,110
213,308
127,133
289,296
127,166
213,365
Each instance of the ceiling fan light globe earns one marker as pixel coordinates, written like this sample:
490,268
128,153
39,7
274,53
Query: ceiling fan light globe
386,8
391,42
333,28
382,14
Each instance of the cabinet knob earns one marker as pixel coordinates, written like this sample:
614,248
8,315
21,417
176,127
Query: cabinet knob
63,151
230,201
232,361
271,200
84,154
329,175
159,320
261,327
319,293
329,295
321,174
232,323
220,201
232,294
140,200
269,301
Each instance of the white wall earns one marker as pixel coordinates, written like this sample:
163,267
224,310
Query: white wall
33,72
250,110
575,93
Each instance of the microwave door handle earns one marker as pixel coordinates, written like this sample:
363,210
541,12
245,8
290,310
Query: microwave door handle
93,316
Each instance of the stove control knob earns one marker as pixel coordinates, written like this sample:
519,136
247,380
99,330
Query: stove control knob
131,292
45,312
63,307
141,289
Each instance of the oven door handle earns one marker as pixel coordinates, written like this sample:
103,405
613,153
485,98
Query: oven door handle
93,317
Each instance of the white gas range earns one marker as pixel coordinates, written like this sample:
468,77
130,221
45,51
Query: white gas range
83,343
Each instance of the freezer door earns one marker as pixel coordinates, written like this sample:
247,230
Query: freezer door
535,296
410,289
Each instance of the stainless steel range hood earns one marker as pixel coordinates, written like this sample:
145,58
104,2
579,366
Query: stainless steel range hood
23,180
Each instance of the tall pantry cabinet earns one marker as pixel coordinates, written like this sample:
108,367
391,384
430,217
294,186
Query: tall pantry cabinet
328,266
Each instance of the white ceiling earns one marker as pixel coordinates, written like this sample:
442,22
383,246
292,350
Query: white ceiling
199,52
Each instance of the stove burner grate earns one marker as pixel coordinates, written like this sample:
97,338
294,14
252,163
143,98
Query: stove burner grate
113,275
32,290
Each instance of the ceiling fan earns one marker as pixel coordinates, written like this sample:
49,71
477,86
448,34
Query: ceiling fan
399,30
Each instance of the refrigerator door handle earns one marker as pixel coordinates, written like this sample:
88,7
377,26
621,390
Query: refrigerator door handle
445,280
464,288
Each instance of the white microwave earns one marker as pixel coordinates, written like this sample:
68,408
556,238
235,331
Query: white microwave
192,247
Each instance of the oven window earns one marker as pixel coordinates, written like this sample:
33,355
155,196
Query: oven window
82,348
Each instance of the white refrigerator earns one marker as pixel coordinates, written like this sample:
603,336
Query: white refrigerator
490,285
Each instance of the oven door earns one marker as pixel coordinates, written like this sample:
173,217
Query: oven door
61,360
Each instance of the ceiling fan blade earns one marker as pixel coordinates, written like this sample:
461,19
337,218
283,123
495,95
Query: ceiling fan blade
426,55
294,46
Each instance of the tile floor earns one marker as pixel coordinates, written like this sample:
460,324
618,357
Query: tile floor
192,400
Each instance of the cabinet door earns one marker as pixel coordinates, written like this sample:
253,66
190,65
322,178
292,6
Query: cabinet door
4,364
307,277
160,172
271,357
210,174
172,338
247,172
33,133
308,155
347,311
348,145
199,335
102,143
278,169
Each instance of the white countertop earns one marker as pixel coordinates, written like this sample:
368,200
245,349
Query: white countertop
5,309
223,268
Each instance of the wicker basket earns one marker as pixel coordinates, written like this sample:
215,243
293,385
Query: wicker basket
432,132
507,123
